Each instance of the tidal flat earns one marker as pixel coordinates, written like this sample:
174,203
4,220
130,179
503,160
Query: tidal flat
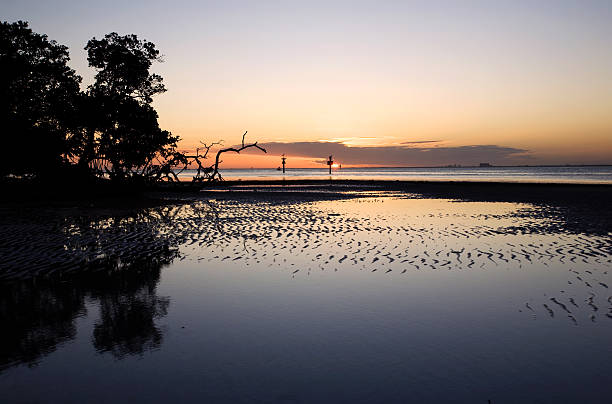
353,294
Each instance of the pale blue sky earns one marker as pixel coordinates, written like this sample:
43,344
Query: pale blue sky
535,75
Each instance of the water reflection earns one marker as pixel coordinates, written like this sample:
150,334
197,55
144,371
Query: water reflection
36,318
348,299
40,314
119,261
129,308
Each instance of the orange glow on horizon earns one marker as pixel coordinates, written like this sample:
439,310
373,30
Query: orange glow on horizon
534,77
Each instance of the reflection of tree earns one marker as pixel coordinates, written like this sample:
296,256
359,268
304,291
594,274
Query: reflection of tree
129,306
118,262
35,319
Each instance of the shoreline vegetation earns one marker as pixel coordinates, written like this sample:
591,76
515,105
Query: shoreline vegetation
109,130
61,134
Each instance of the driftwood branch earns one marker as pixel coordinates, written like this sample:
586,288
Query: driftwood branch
215,174
207,148
203,172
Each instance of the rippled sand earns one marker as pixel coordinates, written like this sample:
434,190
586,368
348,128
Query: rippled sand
263,294
389,234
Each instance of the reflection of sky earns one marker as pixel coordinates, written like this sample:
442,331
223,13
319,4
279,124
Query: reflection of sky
248,327
358,334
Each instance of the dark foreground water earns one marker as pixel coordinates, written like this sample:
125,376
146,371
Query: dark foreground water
384,299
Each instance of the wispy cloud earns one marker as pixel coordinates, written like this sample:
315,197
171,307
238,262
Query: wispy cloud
421,142
363,141
402,155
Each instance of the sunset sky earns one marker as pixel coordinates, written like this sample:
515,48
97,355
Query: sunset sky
372,82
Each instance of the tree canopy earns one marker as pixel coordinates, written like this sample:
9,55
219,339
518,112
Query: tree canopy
129,140
123,64
38,93
108,130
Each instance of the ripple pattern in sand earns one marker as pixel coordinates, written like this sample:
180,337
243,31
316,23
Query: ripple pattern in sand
300,238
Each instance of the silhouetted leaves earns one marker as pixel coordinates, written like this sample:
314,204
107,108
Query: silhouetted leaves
123,64
110,130
38,92
129,137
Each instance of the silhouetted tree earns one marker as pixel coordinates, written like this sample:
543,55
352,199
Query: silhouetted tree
111,130
127,137
38,92
123,64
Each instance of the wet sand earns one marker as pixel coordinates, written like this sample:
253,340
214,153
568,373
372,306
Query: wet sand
426,262
38,239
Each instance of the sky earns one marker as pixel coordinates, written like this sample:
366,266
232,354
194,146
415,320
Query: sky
398,83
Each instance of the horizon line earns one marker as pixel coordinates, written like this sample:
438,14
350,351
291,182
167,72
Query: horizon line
438,166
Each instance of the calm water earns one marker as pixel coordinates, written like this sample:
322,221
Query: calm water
386,299
599,174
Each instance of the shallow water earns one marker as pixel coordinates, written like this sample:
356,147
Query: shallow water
558,174
375,299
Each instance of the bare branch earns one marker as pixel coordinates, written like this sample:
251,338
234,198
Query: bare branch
207,147
208,173
215,173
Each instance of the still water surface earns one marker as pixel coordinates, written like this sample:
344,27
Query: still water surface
564,174
387,299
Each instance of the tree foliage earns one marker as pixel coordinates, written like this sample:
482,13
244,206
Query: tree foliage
129,141
123,64
38,96
110,130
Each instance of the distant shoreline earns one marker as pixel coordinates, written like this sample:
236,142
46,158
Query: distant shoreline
510,174
356,182
322,167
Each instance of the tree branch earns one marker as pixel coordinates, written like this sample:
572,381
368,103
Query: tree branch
215,173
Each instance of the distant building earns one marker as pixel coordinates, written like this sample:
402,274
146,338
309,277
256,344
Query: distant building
485,165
